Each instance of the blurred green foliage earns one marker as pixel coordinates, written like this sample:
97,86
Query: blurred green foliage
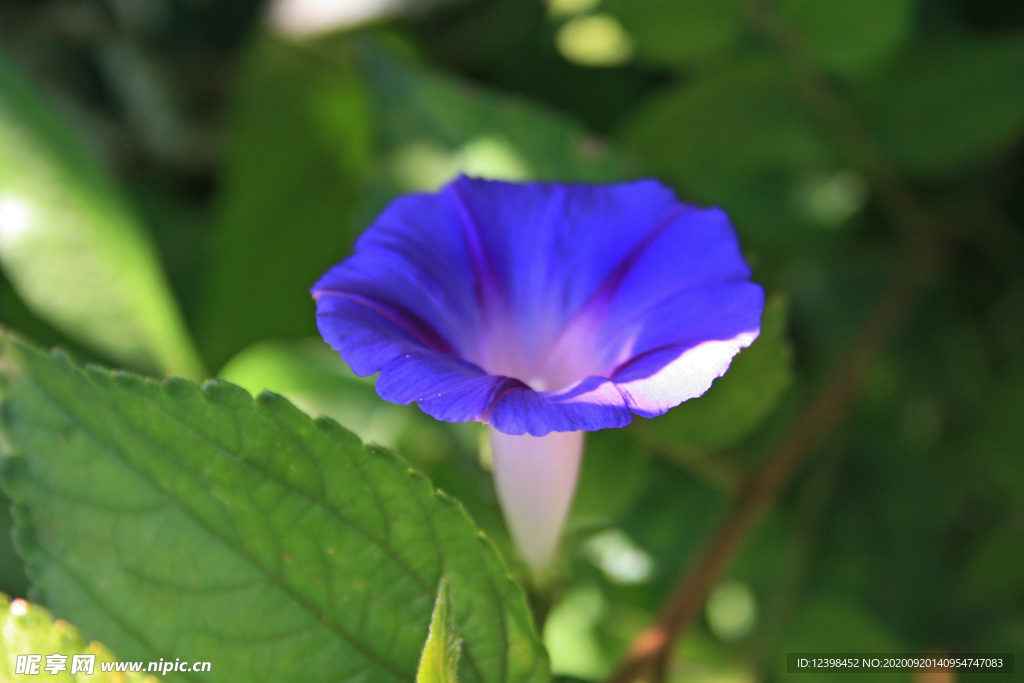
678,33
904,531
71,248
947,105
850,36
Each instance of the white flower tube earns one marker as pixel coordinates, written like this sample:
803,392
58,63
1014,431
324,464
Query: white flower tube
536,477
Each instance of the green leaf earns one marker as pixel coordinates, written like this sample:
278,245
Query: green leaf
321,137
312,375
439,662
738,401
948,105
676,32
27,629
172,520
851,36
72,247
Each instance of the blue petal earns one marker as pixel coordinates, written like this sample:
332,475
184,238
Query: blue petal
413,263
591,404
648,295
444,387
551,246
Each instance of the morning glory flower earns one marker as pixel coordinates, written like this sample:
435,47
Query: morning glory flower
543,310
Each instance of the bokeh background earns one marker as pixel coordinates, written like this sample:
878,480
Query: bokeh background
194,165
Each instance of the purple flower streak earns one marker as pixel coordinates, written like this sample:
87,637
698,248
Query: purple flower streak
540,308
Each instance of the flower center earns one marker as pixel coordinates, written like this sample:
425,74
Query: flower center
544,361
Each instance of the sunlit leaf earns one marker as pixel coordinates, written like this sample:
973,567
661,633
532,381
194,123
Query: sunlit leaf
172,520
439,662
27,629
72,247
